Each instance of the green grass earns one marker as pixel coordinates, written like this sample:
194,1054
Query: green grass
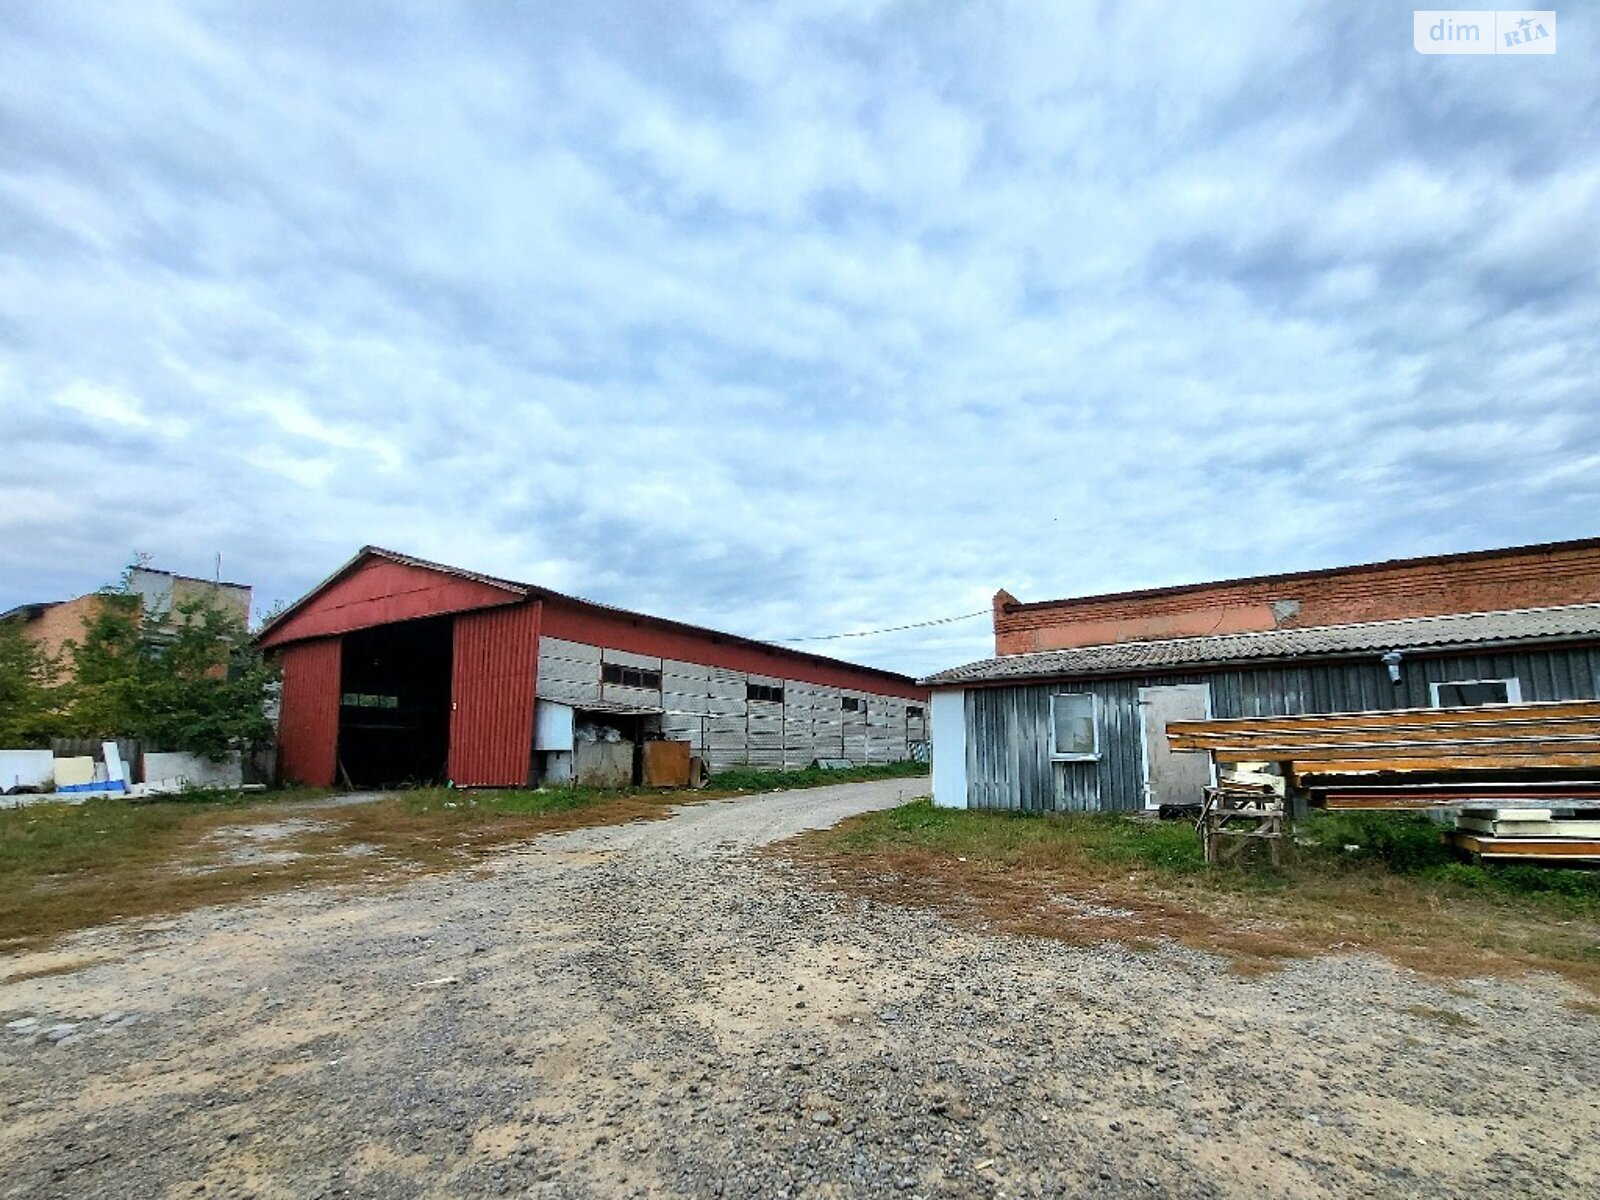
231,797
1020,837
58,839
472,803
742,779
1411,844
66,867
1404,845
1400,892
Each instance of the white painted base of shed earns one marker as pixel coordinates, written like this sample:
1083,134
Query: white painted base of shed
176,772
949,714
27,768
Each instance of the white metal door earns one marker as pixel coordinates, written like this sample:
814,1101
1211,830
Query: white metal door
1172,778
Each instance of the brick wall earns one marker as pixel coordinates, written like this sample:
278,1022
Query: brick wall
1523,577
61,623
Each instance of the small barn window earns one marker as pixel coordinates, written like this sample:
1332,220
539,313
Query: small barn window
364,700
1474,693
762,691
1074,732
850,704
914,712
630,676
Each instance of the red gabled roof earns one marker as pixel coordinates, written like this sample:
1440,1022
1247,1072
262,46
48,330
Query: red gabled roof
280,629
408,589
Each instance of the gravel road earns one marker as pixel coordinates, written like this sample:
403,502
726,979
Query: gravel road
650,1010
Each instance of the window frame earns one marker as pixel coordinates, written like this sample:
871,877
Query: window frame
617,675
380,700
1094,728
1513,685
769,694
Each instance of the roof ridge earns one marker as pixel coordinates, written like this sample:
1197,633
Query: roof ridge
1172,589
1283,629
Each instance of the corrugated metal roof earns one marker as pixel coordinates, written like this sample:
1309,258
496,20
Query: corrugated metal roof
1485,628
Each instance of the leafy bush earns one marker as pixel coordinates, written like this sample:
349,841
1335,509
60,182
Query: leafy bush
30,702
1519,879
1403,842
1413,844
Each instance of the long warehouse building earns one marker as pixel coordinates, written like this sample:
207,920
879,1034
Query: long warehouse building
396,670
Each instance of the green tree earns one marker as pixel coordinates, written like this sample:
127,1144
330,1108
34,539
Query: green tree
190,680
30,700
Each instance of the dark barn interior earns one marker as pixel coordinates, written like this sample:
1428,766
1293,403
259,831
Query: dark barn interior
394,710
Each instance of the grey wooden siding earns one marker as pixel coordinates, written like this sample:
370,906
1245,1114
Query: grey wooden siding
1008,736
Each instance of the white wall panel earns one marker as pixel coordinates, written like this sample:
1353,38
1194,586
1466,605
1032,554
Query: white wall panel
627,658
550,647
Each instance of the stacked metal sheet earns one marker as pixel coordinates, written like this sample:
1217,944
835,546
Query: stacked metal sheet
1553,834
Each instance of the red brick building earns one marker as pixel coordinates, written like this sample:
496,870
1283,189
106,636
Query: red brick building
55,626
1538,576
1072,713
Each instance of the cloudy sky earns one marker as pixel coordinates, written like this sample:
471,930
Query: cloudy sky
822,318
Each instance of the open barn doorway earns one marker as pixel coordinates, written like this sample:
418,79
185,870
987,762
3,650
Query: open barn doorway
394,704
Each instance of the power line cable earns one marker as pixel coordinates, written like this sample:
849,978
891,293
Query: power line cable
831,637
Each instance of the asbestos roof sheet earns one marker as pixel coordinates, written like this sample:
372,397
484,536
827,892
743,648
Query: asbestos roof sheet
1570,622
28,612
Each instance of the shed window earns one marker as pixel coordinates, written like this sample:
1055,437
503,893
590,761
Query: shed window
850,704
914,711
1074,732
364,700
1473,693
762,691
630,676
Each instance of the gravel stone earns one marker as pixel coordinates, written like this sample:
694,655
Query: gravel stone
623,1024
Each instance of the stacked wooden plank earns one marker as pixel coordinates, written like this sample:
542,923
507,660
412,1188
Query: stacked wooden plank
1462,790
1441,741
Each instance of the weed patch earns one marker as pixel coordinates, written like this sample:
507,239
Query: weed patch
749,780
1441,1016
68,867
1091,878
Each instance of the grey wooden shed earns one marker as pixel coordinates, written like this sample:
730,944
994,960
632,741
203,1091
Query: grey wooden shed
1085,729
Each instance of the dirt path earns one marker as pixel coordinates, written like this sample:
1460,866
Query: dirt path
648,1010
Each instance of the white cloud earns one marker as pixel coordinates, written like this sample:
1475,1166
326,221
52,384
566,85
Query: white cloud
831,318
110,406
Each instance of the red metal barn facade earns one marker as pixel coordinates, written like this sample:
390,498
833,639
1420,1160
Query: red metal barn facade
396,669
